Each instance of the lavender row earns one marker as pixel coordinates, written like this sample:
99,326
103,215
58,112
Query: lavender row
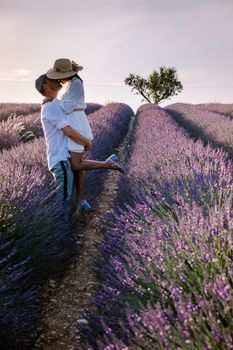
19,109
92,107
17,129
201,123
9,109
221,108
33,229
114,121
36,239
166,260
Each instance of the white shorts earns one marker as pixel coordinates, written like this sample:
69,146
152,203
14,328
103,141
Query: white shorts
75,147
79,122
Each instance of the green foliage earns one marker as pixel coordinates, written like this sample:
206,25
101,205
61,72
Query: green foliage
158,87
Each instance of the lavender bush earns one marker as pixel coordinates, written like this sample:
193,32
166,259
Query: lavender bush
166,262
32,126
36,239
10,134
92,107
15,130
201,123
18,309
109,126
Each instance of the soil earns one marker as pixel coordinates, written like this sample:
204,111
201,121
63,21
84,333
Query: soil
67,299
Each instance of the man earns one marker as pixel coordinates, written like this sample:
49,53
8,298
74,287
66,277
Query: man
57,130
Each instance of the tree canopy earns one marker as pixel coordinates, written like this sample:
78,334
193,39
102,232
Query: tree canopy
158,87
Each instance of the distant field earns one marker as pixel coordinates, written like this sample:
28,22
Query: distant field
7,109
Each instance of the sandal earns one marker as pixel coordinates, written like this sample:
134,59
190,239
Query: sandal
112,159
118,167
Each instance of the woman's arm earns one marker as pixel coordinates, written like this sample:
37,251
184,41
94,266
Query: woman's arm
77,137
72,97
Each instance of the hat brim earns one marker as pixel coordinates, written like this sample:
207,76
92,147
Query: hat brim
52,74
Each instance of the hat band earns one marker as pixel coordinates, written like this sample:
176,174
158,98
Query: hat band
59,70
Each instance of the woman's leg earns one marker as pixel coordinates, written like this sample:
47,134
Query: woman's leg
80,163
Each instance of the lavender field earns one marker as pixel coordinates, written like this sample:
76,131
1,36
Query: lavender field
36,239
165,261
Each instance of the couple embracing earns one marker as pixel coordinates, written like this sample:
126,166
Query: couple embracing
68,133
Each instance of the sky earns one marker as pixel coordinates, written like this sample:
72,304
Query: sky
112,38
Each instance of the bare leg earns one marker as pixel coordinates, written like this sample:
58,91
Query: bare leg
82,164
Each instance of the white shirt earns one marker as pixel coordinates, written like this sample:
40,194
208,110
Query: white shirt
53,119
74,96
72,99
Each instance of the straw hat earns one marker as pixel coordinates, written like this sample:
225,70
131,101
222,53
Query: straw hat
63,68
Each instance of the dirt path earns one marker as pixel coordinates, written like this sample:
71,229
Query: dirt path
68,298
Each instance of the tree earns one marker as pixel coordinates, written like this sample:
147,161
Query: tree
158,87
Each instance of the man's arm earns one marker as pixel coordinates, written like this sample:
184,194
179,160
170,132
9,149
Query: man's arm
77,137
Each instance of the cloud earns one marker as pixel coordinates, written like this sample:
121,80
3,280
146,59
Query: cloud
21,72
103,84
17,75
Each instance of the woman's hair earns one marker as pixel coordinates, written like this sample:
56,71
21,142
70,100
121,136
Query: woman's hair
75,76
